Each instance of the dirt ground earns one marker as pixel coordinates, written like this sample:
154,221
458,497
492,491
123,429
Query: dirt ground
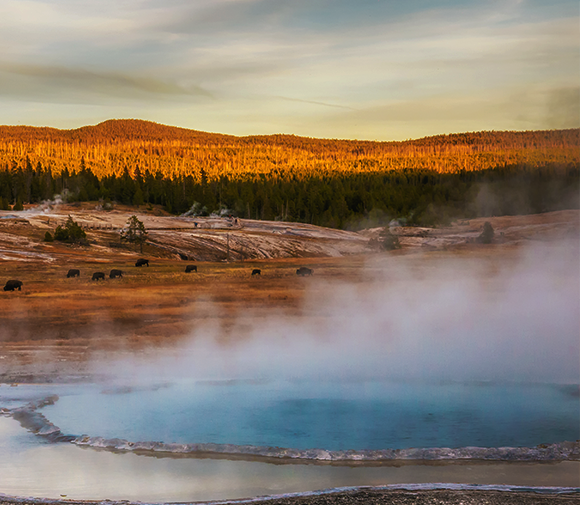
438,497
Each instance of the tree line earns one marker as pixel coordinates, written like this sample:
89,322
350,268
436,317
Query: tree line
339,200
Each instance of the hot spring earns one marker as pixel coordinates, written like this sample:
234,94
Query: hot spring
209,440
439,362
364,415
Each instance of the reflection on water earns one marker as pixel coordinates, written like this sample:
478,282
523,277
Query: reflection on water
328,415
31,467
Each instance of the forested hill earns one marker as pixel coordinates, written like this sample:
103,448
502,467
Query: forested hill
113,131
337,183
110,147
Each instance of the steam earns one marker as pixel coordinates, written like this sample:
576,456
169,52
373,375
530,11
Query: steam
442,319
48,206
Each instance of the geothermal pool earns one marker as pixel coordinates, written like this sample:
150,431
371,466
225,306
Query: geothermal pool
334,415
303,415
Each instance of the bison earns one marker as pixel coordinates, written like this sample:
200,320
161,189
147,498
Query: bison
97,276
115,273
13,284
141,262
302,271
190,268
73,272
256,271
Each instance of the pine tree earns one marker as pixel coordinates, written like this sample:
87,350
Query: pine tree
487,234
135,232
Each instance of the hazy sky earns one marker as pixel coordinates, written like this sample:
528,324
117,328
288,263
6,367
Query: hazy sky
367,69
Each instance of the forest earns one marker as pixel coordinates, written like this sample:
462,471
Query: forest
336,183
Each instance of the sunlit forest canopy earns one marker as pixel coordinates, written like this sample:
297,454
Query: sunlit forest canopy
337,183
110,147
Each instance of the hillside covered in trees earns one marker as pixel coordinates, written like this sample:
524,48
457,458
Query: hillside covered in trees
337,183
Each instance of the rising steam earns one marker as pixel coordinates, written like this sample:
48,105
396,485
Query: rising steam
455,320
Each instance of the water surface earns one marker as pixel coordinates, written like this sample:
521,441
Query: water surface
329,415
31,467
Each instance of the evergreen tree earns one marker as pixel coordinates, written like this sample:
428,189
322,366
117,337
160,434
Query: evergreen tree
135,232
61,234
76,233
70,232
487,234
138,196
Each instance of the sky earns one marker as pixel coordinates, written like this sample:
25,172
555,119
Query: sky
359,69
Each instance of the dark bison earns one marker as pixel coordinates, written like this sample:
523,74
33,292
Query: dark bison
115,273
142,262
256,271
73,272
12,285
302,271
190,268
97,276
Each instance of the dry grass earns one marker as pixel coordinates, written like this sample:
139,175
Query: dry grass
150,306
159,305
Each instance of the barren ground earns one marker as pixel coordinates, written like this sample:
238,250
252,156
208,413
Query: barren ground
378,497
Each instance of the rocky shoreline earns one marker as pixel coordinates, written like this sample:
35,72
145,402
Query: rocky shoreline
563,451
450,495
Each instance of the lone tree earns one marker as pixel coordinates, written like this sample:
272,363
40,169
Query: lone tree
487,234
70,232
135,232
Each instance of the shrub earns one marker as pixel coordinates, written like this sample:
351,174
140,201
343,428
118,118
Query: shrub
388,241
48,237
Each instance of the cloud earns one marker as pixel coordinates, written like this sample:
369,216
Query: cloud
383,56
70,84
314,102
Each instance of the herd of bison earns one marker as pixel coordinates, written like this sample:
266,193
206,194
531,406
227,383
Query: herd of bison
15,284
